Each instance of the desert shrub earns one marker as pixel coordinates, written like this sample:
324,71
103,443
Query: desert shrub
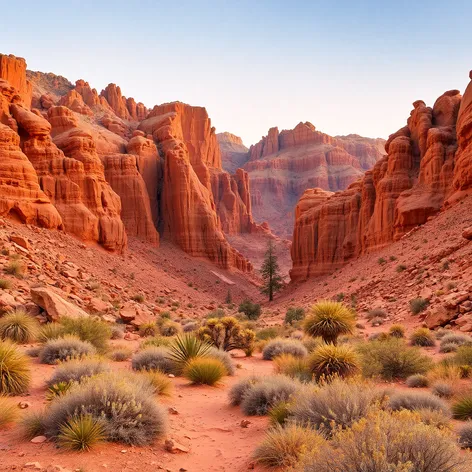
417,381
216,313
15,268
19,327
80,433
293,367
462,408
159,381
185,348
465,435
268,333
417,305
5,284
279,346
260,397
311,343
297,335
377,321
227,334
417,401
149,329
241,388
250,309
8,411
333,405
122,403
65,349
397,331
224,358
117,332
156,341
387,442
329,320
154,358
34,351
283,447
50,331
376,313
456,338
463,355
15,374
77,370
422,337
170,328
445,371
446,348
434,418
32,424
400,267
294,314
330,360
88,329
392,359
120,354
279,413
139,297
442,389
190,326
204,370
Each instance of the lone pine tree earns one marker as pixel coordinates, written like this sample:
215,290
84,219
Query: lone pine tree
271,272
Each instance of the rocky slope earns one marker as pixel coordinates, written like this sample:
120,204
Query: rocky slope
103,167
428,166
284,164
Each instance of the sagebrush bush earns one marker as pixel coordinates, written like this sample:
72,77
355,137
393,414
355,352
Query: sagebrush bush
81,433
19,327
456,338
120,354
154,358
417,305
190,327
293,367
186,347
442,389
465,435
448,348
260,397
170,328
417,401
239,390
462,408
77,370
148,329
32,424
156,341
271,332
376,313
279,346
329,320
8,411
336,404
311,343
15,373
434,418
397,331
294,314
204,370
283,447
122,403
392,359
417,381
250,309
117,331
65,349
387,442
330,360
422,337
89,329
50,331
224,358
160,382
463,355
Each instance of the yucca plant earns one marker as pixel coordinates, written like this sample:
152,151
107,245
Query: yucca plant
58,390
462,408
422,337
19,327
8,411
80,433
204,370
329,320
329,360
15,374
187,347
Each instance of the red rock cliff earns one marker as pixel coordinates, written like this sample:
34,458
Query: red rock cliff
13,70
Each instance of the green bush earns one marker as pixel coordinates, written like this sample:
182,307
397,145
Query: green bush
89,329
250,309
204,370
462,408
15,373
463,355
80,433
185,348
279,346
156,341
170,328
149,329
294,314
65,349
279,413
19,327
50,331
265,334
330,360
154,358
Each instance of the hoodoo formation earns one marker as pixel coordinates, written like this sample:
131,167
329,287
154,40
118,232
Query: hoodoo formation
427,166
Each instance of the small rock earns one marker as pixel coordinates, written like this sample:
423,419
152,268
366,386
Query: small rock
244,423
467,233
39,439
22,242
174,447
171,376
24,405
173,411
33,465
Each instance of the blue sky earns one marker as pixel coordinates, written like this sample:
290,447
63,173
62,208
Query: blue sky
345,66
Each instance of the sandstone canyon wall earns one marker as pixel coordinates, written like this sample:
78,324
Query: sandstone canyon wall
428,165
284,164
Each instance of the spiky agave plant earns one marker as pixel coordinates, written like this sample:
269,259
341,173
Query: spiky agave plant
15,374
333,361
80,433
329,320
19,327
187,347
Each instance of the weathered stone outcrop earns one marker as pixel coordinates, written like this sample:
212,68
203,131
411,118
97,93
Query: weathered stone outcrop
234,154
13,70
424,167
125,108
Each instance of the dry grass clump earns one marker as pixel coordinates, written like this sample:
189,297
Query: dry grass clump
240,389
77,370
279,413
19,327
89,329
259,397
392,359
120,354
149,329
376,313
32,424
418,401
117,331
8,411
156,341
417,381
417,305
5,284
422,337
154,358
279,346
443,389
458,339
387,442
123,404
330,360
465,435
65,349
160,382
205,371
337,404
329,320
283,447
225,358
15,268
293,367
462,408
15,373
170,328
463,356
50,331
397,331
446,372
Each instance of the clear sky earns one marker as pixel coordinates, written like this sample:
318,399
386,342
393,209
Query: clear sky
346,66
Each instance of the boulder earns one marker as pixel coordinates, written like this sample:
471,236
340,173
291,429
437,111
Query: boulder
55,305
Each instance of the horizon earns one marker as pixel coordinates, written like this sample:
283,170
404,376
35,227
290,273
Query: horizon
251,76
